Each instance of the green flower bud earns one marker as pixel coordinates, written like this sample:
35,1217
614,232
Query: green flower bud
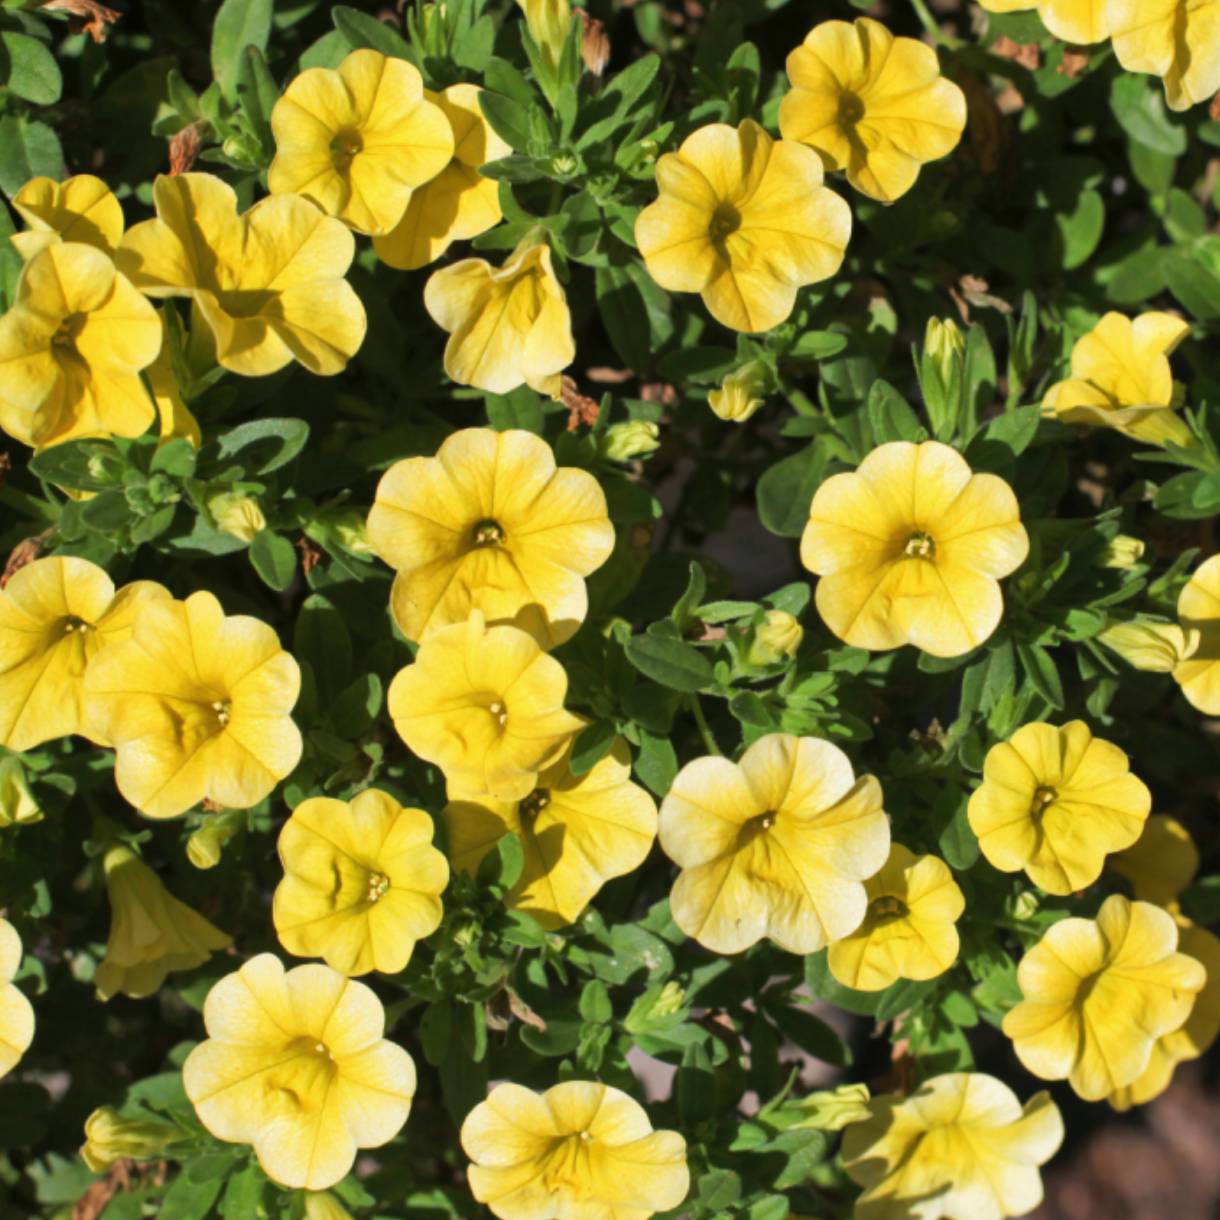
1154,647
17,804
322,1205
204,847
1123,552
779,637
942,371
834,1109
632,439
109,1137
237,514
740,393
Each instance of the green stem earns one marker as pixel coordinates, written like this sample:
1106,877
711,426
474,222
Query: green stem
705,730
930,24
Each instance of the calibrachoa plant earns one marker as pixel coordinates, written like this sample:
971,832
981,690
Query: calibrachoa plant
608,611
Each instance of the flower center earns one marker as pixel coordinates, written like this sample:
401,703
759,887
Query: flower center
487,533
493,704
534,804
223,709
379,883
887,909
851,109
756,826
920,546
568,1171
73,624
344,147
726,220
1043,798
63,341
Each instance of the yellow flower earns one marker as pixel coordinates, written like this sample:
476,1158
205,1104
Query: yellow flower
961,1147
739,395
268,283
16,1014
485,704
356,139
1054,801
745,221
459,203
362,882
175,416
548,22
56,615
871,104
490,524
580,1150
1177,40
109,1137
18,806
1161,863
1099,993
71,350
80,209
197,705
238,515
1121,379
909,930
324,1206
296,1064
507,327
777,845
1079,22
1154,647
910,549
1123,552
577,832
778,637
1198,673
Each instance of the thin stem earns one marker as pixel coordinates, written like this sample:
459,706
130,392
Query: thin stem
930,24
705,730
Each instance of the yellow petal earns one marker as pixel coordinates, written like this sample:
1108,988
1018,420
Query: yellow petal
79,209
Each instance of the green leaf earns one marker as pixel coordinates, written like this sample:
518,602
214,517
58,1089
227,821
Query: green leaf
826,987
501,867
591,746
239,24
1196,286
28,149
625,314
1139,107
508,118
258,92
187,1199
1080,230
321,639
1043,675
264,445
243,1195
786,490
811,1034
890,416
29,69
696,1086
175,457
363,30
274,559
657,762
670,662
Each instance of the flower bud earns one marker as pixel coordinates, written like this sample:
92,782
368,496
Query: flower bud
548,22
1155,647
343,525
778,638
109,1137
740,393
237,514
17,804
204,847
631,439
942,373
944,342
1025,905
322,1205
834,1109
1122,552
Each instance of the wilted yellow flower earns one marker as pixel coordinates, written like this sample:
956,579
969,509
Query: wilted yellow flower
1076,21
1177,40
56,615
296,1065
745,221
362,882
1121,379
1099,993
237,514
490,524
508,326
580,1150
779,637
960,1147
1198,673
548,22
740,393
79,209
1144,644
16,1014
268,283
197,704
485,704
910,927
1054,801
1161,863
71,350
910,548
17,804
871,104
109,1137
577,832
356,139
459,203
777,845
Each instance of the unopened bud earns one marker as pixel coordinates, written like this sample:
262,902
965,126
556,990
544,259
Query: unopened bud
779,637
109,1137
631,439
322,1205
834,1109
1122,552
17,804
1156,647
204,847
740,394
237,514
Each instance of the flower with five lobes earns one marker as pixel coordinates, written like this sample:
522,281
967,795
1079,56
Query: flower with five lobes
362,882
197,705
1079,22
268,283
960,1147
80,209
1177,40
580,1151
485,705
1198,673
1054,802
357,139
16,1013
152,934
745,221
56,615
490,524
910,927
1161,863
577,832
871,104
777,845
910,548
459,203
296,1064
1097,994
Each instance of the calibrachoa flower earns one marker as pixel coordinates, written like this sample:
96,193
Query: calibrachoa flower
1099,993
871,104
362,882
508,326
1177,40
268,283
459,203
16,1014
152,934
296,1065
777,845
910,926
356,139
57,614
1121,379
577,832
1076,21
80,209
485,704
1161,863
580,1151
491,524
1054,801
1198,674
960,1147
197,705
745,221
910,548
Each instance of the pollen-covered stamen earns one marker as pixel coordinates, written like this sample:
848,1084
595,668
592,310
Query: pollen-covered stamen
532,805
920,546
223,710
1044,797
726,220
488,533
72,623
378,885
499,711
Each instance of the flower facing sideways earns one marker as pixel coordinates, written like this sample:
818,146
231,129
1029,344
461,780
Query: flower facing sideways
16,1013
109,1138
1161,863
296,1065
745,221
960,1147
1079,22
778,845
491,524
910,548
1198,672
1099,993
1177,40
1148,645
80,209
362,882
581,1151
